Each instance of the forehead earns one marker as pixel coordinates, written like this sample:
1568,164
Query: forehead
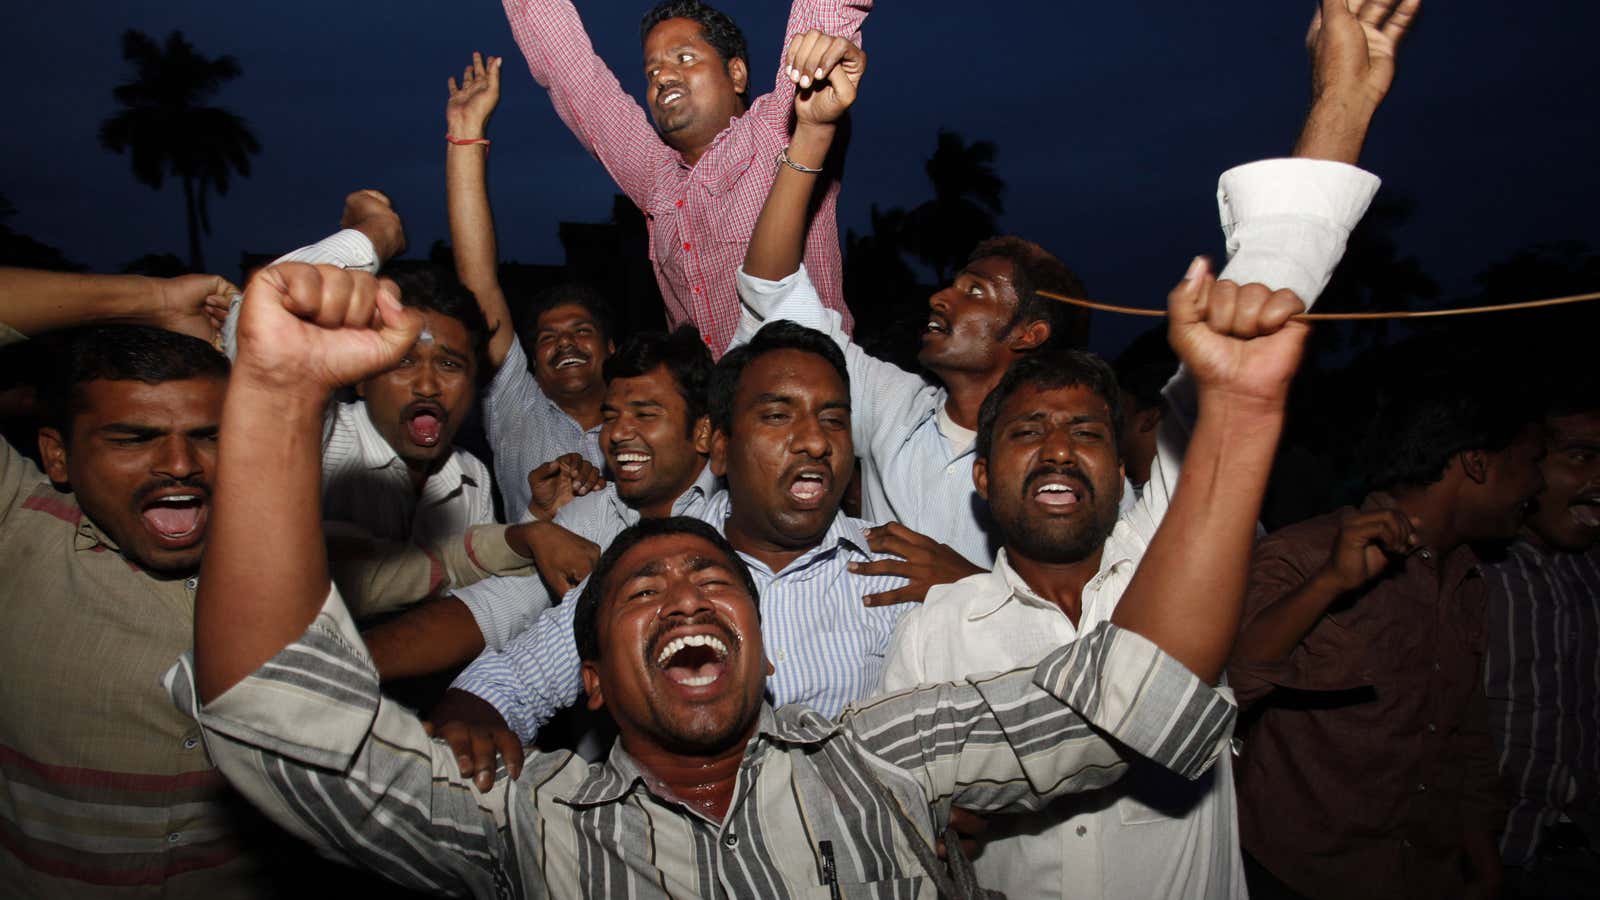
446,330
992,268
566,315
663,554
654,386
1073,401
795,373
1584,426
673,33
182,403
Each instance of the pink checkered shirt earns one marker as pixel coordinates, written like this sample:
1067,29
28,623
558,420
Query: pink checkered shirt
700,218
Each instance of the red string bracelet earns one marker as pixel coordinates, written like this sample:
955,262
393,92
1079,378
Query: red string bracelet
467,142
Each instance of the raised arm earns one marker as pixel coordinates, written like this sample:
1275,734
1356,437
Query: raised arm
466,168
1241,349
1352,45
303,331
587,96
34,302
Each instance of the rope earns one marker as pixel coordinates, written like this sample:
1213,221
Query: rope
1347,317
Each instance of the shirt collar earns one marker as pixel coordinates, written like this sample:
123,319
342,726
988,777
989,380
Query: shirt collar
844,533
1009,585
614,779
375,451
704,487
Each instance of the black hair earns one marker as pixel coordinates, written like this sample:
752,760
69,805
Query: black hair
1047,371
435,289
716,26
683,354
586,617
1432,419
1034,269
120,353
568,294
1145,367
772,337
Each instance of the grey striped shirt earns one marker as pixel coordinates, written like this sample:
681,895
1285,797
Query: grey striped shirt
310,740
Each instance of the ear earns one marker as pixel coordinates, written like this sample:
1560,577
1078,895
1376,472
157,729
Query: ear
611,346
719,453
1146,421
1029,337
702,436
980,477
1475,465
591,686
53,450
739,74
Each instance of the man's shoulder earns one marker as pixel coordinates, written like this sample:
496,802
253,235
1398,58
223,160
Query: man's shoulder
1306,536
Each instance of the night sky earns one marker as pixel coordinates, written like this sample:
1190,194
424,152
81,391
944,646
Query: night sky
1113,122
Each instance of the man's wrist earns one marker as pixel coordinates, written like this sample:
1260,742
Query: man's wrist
466,130
810,144
267,391
1336,127
386,233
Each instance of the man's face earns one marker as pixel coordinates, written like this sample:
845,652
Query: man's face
1568,514
1512,481
419,405
789,455
681,661
1052,478
568,351
654,452
967,321
140,458
691,92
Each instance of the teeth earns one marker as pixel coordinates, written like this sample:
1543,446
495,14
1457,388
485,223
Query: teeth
179,498
811,476
633,457
691,640
569,361
1055,489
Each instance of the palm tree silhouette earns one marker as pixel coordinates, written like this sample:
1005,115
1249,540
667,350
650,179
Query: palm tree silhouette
167,128
966,199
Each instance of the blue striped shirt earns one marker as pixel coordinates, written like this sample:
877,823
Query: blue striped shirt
827,646
526,429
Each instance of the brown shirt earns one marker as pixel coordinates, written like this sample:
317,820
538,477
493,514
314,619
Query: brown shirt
106,789
1366,750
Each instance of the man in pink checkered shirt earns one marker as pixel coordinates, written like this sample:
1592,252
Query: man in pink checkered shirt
701,173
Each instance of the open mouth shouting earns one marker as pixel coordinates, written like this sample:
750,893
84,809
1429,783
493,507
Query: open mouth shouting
1057,491
1585,510
670,97
808,485
424,421
693,660
176,516
937,324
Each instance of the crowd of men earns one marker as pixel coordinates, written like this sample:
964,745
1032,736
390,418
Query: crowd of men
739,610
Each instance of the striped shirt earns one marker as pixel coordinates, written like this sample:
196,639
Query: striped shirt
365,482
312,741
526,429
1542,676
1286,222
828,647
700,217
504,607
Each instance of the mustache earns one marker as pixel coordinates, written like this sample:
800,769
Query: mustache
196,483
1043,472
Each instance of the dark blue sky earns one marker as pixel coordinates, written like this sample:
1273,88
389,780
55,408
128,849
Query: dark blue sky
1113,122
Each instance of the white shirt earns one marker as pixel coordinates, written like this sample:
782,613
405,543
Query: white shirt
1147,836
364,481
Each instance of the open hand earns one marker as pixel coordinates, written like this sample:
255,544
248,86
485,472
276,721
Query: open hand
472,102
827,73
1238,341
558,482
923,562
1353,43
476,734
314,328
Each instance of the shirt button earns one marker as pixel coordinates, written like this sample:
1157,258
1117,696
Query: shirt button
730,840
1421,788
687,245
680,203
697,291
173,837
1436,667
1432,728
1405,842
191,582
950,469
1082,831
190,743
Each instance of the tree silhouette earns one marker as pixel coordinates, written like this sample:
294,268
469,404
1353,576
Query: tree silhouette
167,127
967,196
